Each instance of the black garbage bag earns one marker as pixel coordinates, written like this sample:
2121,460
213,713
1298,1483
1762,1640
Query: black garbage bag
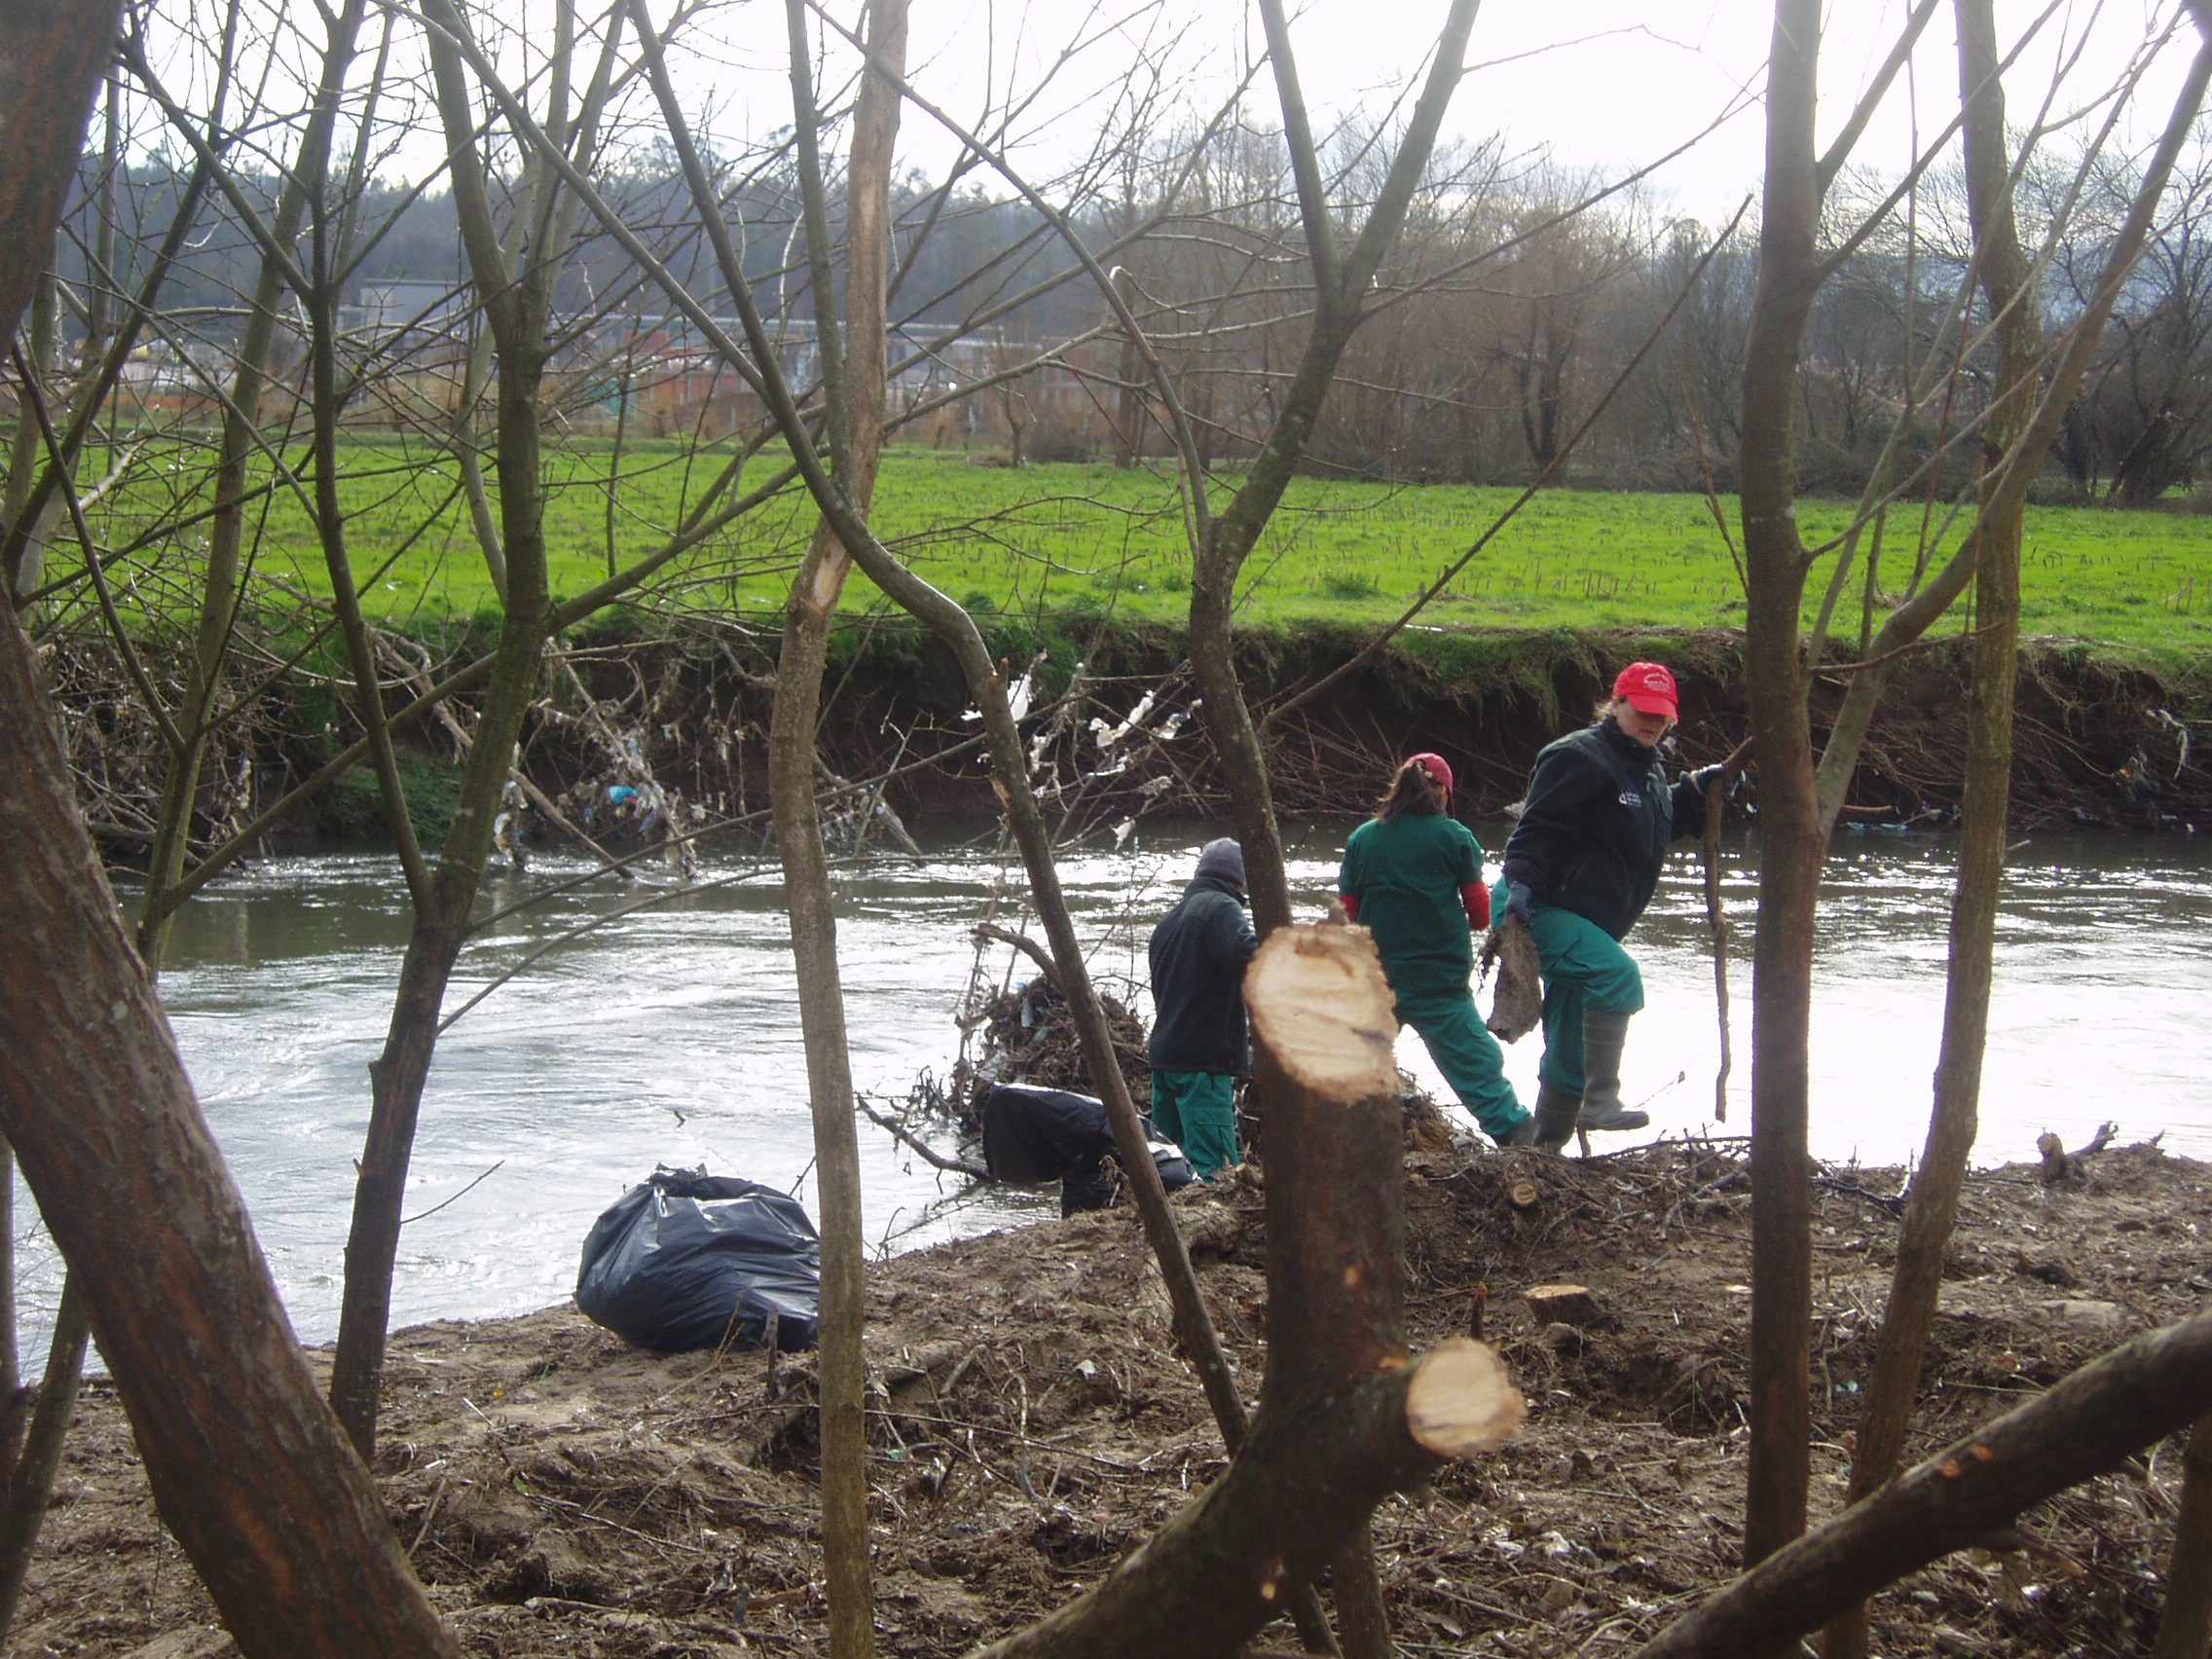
1032,1135
689,1260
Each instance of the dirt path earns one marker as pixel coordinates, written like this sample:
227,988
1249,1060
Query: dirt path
566,1495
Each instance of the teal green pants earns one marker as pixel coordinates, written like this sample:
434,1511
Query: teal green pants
1466,1053
1584,967
1198,1112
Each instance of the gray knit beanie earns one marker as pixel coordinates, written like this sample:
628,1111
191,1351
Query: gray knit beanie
1223,858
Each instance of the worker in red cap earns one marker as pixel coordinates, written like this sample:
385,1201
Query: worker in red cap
1413,876
1579,868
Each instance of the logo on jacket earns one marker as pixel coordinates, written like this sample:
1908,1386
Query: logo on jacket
1629,797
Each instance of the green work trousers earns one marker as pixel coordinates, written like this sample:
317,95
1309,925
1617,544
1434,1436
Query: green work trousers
1584,967
1466,1053
1198,1112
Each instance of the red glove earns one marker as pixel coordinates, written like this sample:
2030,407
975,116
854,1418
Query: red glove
1351,904
1476,896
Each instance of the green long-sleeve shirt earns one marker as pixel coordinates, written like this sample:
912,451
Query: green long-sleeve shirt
1407,874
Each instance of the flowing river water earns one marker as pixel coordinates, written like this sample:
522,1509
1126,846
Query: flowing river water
670,1034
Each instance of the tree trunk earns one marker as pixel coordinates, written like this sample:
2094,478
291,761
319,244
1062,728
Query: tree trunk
1222,547
1129,392
2062,380
792,759
2185,1627
51,53
21,572
397,1074
1930,1214
1344,1417
1335,1200
13,1403
1226,1566
518,310
2089,1424
1194,1326
1790,837
247,1466
31,1480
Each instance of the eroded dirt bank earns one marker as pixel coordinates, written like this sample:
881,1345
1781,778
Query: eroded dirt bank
566,1495
2100,742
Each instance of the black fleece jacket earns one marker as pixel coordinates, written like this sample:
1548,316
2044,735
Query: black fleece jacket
1596,827
1199,952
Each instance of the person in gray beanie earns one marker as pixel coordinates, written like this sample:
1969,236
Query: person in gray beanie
1199,1047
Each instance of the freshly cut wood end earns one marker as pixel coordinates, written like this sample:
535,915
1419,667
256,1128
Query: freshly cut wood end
1320,1004
1461,1401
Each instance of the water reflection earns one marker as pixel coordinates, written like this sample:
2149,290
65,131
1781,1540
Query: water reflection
671,1034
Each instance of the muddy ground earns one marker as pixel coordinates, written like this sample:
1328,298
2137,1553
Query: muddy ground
564,1495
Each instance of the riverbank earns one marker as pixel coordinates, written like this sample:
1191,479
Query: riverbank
2106,739
564,1494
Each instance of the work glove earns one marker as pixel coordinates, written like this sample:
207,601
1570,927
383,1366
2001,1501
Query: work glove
1704,778
1520,901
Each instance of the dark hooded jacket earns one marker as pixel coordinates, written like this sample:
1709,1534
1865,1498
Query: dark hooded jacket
1595,829
1199,952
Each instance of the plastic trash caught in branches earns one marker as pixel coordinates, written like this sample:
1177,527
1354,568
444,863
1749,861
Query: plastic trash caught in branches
688,1260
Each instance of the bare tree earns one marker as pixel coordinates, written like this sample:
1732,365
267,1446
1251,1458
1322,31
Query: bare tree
2145,423
1800,796
516,287
198,713
1932,1210
854,352
247,1465
1222,543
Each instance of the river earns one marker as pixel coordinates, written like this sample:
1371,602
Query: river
670,1033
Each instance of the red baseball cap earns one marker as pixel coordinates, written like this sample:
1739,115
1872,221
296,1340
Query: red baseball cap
1649,687
1436,766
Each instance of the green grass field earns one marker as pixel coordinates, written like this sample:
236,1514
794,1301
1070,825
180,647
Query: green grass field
1094,540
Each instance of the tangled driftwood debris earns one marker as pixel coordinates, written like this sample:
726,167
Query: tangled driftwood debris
1027,1036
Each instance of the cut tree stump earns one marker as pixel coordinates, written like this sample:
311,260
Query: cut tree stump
1321,1007
1346,1416
1561,1304
2059,1165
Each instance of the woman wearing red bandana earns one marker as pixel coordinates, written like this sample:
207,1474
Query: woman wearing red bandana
1413,876
1579,868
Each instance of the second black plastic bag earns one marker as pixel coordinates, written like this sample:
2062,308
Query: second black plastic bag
689,1260
1033,1136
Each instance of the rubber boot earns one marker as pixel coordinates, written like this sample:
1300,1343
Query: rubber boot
1556,1113
1604,1036
1523,1133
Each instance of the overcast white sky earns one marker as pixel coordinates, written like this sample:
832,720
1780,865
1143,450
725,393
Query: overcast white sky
1599,83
